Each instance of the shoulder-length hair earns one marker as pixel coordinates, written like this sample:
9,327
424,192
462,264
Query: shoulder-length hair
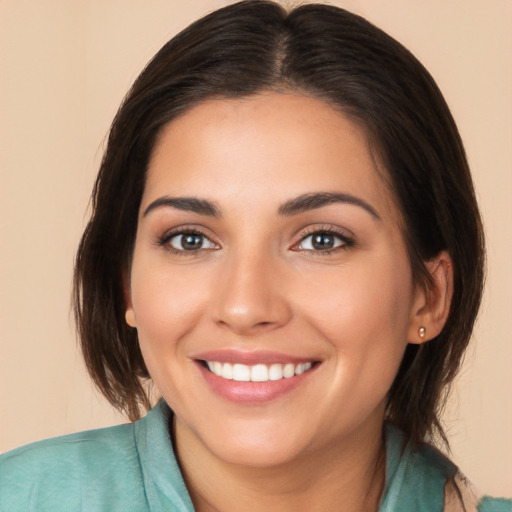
254,46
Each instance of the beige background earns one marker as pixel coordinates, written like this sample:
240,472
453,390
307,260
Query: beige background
64,67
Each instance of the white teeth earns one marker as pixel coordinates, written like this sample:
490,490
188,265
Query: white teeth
288,370
241,372
225,370
258,372
301,368
275,372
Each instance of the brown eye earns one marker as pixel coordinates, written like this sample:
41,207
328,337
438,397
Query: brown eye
190,242
322,241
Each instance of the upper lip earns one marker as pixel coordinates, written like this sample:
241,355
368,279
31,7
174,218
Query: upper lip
251,358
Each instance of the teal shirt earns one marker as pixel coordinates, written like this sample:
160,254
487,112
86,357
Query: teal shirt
132,468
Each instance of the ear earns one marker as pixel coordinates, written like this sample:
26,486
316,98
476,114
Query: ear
432,306
129,314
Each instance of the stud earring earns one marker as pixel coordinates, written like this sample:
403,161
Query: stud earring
422,331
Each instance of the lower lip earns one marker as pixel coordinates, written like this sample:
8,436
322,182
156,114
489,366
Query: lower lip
252,393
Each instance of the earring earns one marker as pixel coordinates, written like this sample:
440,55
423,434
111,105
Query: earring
422,331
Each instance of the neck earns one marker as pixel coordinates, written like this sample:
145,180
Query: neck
348,477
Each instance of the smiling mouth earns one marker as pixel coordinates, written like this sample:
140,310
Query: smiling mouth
258,372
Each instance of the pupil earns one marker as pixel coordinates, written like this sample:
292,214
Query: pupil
323,241
191,241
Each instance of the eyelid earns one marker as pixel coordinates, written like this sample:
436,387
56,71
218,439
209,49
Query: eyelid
203,239
346,236
164,239
343,234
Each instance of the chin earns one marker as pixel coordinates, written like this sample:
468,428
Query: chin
256,455
255,445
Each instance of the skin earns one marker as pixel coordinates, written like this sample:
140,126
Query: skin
257,283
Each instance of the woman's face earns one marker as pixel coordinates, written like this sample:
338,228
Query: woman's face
270,286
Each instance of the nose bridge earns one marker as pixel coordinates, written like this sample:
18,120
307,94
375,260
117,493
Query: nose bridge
250,297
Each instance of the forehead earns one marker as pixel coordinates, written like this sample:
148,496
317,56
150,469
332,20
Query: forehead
273,144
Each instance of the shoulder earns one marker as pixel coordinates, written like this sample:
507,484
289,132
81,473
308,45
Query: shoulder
415,475
423,479
60,473
84,450
488,504
462,496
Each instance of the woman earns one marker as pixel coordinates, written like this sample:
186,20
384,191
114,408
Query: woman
285,240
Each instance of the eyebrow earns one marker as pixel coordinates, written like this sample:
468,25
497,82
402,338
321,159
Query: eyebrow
188,204
312,201
295,206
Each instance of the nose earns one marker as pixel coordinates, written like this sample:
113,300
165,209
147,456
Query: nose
251,295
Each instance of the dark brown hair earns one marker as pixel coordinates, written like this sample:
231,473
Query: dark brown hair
255,46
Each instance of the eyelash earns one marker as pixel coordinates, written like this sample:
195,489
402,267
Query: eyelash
346,241
165,241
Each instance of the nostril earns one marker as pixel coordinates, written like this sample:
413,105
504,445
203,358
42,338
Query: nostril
248,306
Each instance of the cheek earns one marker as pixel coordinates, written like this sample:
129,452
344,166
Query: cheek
166,303
167,306
363,310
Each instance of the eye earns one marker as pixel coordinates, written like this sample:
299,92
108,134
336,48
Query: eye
189,241
323,241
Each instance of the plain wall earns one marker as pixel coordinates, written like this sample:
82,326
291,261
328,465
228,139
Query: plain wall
65,66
